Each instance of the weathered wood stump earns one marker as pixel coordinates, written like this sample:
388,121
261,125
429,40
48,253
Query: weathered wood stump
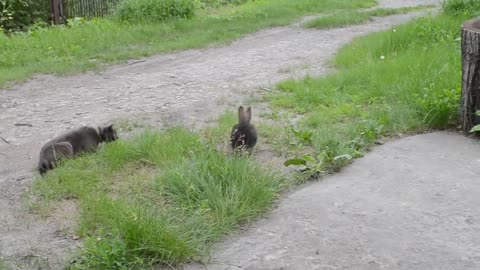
470,102
55,11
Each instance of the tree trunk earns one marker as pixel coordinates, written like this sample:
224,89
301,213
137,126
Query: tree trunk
55,9
470,102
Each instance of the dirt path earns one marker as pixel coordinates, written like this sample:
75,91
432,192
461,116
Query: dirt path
188,87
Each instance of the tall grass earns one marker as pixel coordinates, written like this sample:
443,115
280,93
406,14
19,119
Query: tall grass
90,45
163,197
404,80
468,8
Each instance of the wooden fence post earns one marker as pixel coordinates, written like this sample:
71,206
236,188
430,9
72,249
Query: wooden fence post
55,11
470,102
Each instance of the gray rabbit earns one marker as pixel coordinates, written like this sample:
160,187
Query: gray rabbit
83,139
244,134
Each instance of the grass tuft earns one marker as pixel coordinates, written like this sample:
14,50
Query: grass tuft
338,19
3,265
351,17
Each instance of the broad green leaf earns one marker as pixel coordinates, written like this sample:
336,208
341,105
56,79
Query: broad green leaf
346,156
309,158
475,128
295,161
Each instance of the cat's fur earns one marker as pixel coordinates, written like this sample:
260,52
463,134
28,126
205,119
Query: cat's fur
67,145
244,134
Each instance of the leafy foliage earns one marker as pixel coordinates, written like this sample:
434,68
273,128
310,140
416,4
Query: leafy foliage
136,11
17,15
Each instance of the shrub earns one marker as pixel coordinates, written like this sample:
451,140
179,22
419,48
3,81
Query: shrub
17,15
154,10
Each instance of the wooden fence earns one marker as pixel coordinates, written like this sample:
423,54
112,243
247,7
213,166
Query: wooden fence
65,9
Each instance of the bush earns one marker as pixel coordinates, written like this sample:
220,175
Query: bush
154,10
17,15
470,8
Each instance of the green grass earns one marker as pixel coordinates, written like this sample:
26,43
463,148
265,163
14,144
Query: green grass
351,17
163,197
467,8
3,265
90,45
338,19
404,80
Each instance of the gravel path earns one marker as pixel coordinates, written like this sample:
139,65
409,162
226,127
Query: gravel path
188,87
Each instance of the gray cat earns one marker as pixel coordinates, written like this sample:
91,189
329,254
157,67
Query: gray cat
83,139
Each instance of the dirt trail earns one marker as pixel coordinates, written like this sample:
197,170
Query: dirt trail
188,87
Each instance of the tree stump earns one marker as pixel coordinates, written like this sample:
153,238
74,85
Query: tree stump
55,11
470,102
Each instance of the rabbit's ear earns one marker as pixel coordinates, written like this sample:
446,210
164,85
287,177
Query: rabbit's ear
241,114
249,114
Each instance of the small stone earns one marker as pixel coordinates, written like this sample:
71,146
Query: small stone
23,125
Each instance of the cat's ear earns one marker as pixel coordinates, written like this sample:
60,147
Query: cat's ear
109,127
